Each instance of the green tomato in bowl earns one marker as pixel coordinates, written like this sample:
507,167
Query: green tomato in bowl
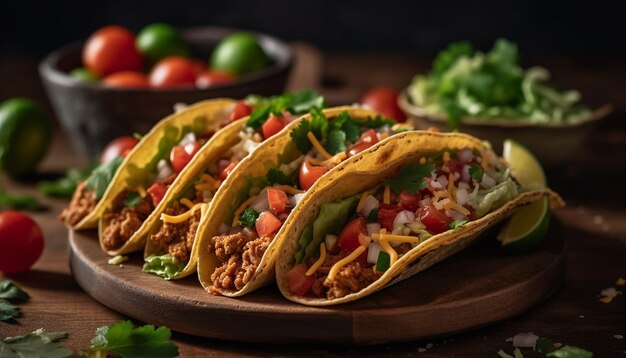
158,41
25,134
239,53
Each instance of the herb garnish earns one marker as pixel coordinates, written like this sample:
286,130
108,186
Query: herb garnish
248,217
476,172
411,178
122,340
9,291
295,103
65,186
35,344
102,176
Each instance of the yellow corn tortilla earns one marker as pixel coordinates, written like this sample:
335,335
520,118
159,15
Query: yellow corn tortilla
226,201
370,169
204,116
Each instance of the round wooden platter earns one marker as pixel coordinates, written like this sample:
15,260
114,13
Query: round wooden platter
471,289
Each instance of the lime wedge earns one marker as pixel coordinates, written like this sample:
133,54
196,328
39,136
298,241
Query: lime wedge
528,226
524,165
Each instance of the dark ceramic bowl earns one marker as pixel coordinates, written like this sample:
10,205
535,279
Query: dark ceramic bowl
93,114
552,143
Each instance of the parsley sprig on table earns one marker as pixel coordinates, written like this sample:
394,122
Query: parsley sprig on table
9,294
411,178
35,344
295,103
123,340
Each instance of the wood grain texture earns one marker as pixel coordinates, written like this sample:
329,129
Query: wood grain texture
494,287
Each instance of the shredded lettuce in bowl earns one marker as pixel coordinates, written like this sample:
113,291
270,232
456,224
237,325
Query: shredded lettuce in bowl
492,85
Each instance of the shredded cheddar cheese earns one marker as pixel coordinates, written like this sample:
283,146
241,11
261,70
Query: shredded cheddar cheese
393,255
387,195
319,261
141,191
288,189
395,238
384,135
182,217
318,146
186,202
451,185
204,187
422,160
206,178
485,159
335,159
446,156
359,206
455,206
346,260
241,208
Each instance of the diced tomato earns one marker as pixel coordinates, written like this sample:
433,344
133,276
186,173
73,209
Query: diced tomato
348,239
277,200
368,139
299,282
454,166
273,125
409,201
157,192
181,155
241,110
267,223
309,174
436,221
226,171
387,214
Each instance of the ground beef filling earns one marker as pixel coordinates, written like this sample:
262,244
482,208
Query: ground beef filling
123,222
351,278
238,258
177,239
83,202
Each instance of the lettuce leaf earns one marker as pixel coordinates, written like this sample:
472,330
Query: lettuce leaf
489,200
166,266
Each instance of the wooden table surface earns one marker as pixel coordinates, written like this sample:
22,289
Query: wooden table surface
594,220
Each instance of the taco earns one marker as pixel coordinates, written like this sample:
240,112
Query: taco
242,232
416,199
171,248
89,198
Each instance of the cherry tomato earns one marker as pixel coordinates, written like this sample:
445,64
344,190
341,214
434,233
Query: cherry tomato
367,139
21,242
348,239
111,49
409,201
384,100
120,146
226,171
173,72
127,79
212,78
309,174
299,282
181,155
387,214
277,200
273,125
436,221
157,192
241,110
266,224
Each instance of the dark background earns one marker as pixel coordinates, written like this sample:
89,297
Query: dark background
31,27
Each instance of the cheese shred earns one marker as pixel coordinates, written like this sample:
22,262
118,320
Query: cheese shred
188,203
318,146
346,260
141,191
359,206
319,262
387,195
182,217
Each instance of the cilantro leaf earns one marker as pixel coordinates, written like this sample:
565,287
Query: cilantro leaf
275,176
570,352
319,124
132,198
411,178
304,100
10,291
248,217
102,175
336,142
544,345
8,311
35,344
299,138
351,129
294,102
123,340
258,117
65,186
446,58
476,172
378,122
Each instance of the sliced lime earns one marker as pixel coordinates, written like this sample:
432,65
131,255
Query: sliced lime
524,165
527,227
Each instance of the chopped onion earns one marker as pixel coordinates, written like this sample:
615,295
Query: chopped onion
465,155
372,252
261,203
223,229
330,241
465,175
297,198
426,201
439,205
164,170
443,181
179,107
223,163
436,185
250,234
462,196
249,145
455,215
525,340
189,138
373,228
487,182
463,185
403,217
370,204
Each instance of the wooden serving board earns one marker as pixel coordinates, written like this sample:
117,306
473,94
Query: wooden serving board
473,288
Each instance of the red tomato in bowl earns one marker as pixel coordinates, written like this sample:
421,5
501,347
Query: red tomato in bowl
111,49
21,242
384,100
173,72
212,78
127,79
120,146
